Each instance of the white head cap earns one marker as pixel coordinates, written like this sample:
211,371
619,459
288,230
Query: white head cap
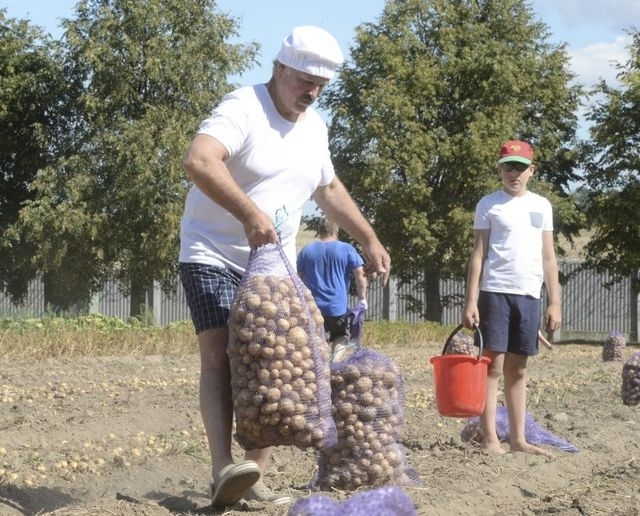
311,50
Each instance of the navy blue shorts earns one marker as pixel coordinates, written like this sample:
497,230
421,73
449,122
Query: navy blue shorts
336,326
509,322
209,291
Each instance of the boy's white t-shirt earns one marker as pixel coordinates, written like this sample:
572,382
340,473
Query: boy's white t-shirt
277,163
513,264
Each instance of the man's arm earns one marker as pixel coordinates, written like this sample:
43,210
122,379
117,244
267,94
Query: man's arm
334,200
361,285
204,164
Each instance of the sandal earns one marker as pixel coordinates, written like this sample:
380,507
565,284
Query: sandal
342,349
261,493
232,482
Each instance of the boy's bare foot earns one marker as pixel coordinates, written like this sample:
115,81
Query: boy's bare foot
530,448
493,447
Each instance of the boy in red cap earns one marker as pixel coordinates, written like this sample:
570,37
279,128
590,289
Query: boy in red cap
513,255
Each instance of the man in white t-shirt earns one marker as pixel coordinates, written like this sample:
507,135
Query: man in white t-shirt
513,255
254,163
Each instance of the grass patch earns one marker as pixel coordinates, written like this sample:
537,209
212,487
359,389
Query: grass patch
385,333
92,335
96,335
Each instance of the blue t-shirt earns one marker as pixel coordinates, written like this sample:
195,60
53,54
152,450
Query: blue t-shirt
326,268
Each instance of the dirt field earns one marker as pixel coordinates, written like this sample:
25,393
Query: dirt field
123,436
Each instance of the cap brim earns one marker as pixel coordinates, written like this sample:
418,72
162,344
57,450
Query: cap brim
519,159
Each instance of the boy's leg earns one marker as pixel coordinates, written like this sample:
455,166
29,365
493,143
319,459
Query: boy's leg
494,325
515,393
523,343
488,417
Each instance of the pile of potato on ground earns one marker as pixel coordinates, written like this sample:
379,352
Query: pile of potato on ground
631,380
613,347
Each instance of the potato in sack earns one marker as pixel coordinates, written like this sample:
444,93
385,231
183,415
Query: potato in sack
367,392
279,358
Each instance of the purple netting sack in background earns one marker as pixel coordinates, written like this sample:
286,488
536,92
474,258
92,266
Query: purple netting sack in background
367,393
383,501
533,432
279,359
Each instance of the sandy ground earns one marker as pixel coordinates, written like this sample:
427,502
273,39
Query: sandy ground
123,436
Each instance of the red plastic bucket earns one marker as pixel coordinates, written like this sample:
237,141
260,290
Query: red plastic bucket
460,381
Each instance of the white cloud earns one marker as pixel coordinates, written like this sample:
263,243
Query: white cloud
597,34
598,61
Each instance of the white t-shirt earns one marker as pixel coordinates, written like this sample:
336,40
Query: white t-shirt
514,258
277,163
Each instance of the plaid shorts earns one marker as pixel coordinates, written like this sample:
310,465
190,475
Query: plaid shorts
209,291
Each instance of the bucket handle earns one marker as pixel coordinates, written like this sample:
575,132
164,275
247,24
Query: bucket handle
476,329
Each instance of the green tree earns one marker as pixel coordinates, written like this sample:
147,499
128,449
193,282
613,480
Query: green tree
33,133
418,113
611,160
149,73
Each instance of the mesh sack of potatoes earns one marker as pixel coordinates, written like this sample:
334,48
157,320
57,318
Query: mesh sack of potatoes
367,392
381,501
613,347
280,379
631,380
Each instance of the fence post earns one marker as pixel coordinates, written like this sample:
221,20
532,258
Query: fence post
389,300
634,299
94,303
153,302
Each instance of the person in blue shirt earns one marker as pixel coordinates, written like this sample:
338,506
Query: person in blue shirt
326,266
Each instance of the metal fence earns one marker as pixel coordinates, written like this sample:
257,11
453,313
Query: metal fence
590,310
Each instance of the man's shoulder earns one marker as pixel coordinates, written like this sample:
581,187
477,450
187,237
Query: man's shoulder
243,95
308,248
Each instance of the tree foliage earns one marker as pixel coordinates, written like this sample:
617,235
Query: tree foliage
33,133
148,72
611,160
419,112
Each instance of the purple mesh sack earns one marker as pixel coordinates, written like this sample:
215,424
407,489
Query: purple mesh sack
533,432
367,393
355,316
383,501
280,379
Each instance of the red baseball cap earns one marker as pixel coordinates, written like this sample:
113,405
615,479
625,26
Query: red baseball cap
516,150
